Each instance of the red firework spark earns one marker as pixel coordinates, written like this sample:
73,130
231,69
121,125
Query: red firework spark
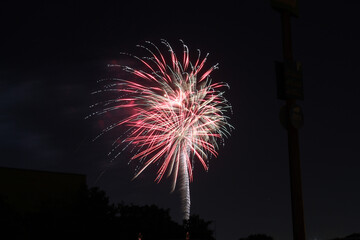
177,112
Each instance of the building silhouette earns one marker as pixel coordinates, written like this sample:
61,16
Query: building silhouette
29,190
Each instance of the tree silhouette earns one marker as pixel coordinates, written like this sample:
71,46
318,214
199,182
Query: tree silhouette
91,216
151,221
199,228
257,237
354,236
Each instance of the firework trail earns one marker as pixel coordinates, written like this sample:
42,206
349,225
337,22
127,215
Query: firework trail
176,114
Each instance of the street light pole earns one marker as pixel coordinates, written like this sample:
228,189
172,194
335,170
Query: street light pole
289,89
297,204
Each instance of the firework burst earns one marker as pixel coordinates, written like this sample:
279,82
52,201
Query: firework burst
176,114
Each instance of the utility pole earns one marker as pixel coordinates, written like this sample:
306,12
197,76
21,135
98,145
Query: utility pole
290,89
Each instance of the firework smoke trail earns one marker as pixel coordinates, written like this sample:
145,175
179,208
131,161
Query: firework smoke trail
176,114
185,188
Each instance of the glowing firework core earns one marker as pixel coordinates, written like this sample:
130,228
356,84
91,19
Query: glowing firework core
177,114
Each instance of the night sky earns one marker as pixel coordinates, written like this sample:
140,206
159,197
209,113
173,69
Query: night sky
52,56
